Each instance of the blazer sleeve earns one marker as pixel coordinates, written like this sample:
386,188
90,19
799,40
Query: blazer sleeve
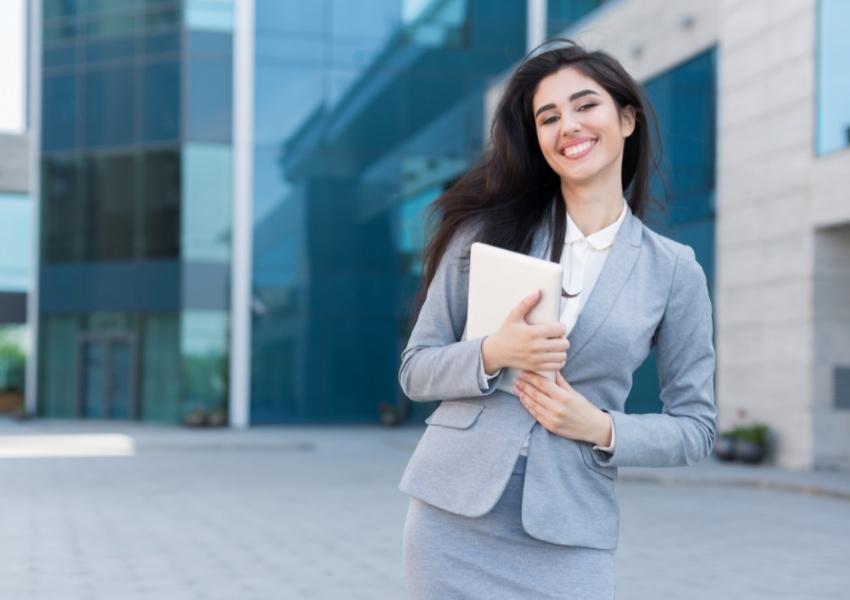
436,364
685,431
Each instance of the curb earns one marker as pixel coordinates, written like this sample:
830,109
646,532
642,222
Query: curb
760,484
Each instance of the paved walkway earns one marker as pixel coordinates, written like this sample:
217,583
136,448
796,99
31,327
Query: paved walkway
106,510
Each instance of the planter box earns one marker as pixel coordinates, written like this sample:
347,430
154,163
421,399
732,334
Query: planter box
11,402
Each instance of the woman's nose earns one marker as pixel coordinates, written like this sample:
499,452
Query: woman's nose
569,125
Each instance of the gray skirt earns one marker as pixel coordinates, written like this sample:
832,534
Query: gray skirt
448,556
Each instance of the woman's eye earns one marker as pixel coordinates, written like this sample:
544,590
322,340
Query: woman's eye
551,119
583,106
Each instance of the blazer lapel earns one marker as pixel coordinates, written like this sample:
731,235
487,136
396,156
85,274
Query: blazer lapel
621,259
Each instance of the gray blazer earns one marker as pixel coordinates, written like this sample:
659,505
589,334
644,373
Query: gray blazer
651,290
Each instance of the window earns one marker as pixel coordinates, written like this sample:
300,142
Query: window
833,76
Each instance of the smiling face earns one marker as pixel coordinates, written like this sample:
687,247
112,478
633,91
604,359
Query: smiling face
579,127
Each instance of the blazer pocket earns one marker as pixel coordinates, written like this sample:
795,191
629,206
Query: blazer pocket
455,413
587,455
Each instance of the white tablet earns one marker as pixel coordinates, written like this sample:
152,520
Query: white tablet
498,280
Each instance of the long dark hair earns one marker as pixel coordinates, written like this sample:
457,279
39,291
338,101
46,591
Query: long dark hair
509,191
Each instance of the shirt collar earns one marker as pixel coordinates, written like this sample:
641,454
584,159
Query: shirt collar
600,239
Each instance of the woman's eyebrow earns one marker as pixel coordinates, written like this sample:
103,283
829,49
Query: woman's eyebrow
551,105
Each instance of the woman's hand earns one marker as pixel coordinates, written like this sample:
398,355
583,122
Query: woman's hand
522,346
562,410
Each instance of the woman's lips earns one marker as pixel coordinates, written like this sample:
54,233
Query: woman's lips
584,146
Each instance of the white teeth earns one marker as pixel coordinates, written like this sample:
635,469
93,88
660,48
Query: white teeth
573,150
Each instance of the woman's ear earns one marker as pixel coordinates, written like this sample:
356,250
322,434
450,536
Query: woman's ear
627,120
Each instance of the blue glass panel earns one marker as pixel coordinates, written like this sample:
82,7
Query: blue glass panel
206,204
296,16
109,106
833,76
209,15
161,43
111,49
209,44
62,210
209,101
204,359
110,207
94,379
59,55
161,18
121,384
161,204
160,377
97,6
685,100
59,112
132,286
62,30
58,380
561,14
161,101
16,232
57,9
358,110
108,24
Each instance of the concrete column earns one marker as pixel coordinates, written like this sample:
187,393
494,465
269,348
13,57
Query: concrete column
536,23
242,238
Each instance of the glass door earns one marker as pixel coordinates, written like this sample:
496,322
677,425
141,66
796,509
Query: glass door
106,374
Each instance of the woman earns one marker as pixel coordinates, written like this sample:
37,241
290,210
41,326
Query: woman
512,483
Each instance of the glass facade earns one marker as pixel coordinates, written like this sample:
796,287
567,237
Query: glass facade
562,14
361,118
685,99
135,147
16,233
833,77
15,273
364,112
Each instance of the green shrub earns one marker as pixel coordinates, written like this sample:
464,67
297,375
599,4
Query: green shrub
756,433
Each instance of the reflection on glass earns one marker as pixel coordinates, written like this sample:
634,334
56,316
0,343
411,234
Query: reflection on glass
360,107
684,99
120,379
204,359
412,234
57,350
561,14
162,216
59,126
161,101
110,207
206,202
109,99
160,380
210,15
16,233
94,379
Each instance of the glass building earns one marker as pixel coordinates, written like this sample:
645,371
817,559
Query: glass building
362,113
331,125
15,269
685,100
135,204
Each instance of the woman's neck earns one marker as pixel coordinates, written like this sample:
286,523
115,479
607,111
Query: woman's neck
593,208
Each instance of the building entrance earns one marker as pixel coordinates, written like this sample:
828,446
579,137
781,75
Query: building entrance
106,372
